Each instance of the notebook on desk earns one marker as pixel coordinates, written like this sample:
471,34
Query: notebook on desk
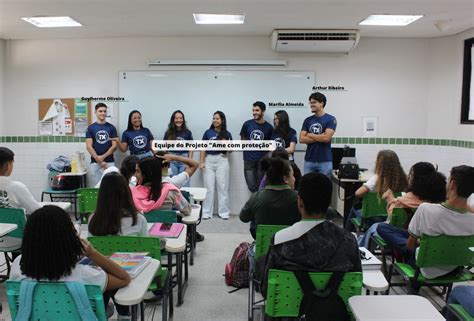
369,261
161,230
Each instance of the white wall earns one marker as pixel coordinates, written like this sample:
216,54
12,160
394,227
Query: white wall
400,81
445,88
3,45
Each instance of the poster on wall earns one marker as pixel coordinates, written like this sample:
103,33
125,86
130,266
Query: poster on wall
369,127
45,128
80,117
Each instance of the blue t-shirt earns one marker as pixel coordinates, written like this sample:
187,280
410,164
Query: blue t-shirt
282,143
211,134
101,134
180,135
138,140
251,130
319,152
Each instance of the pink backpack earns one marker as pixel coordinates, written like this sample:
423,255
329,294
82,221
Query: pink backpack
237,271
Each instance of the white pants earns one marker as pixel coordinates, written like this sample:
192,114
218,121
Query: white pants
216,170
96,173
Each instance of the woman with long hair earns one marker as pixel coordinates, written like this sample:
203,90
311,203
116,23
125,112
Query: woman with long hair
116,213
283,134
178,130
136,138
388,174
152,194
51,250
215,166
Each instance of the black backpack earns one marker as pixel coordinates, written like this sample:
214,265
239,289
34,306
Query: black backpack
321,305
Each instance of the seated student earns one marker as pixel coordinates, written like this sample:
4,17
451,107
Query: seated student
127,169
153,194
312,244
464,296
425,185
283,154
448,218
51,251
115,213
388,174
12,193
276,204
182,178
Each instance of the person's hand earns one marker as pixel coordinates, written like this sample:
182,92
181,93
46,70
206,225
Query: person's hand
167,157
202,165
388,195
104,165
114,139
99,159
88,248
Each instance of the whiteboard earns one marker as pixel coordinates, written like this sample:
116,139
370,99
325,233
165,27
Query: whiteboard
156,94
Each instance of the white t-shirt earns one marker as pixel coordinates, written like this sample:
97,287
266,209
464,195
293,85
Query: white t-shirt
16,194
370,184
127,229
436,219
296,230
111,169
177,180
80,273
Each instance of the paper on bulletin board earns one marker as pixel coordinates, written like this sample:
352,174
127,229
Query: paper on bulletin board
80,117
46,128
369,127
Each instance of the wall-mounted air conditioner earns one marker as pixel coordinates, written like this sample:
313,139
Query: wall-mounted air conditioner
315,40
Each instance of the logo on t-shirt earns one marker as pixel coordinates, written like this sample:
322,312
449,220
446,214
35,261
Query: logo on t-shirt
280,142
4,199
316,128
179,138
140,142
213,138
102,137
256,135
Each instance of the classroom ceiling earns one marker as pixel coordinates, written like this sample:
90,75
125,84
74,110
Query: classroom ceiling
125,18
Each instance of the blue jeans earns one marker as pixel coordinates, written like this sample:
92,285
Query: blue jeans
397,239
144,155
463,295
177,168
318,167
364,239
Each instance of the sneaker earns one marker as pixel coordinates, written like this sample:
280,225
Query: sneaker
205,217
199,237
224,217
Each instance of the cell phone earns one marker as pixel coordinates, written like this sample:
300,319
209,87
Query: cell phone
165,226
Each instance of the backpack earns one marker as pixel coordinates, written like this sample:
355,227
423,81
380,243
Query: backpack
237,271
321,305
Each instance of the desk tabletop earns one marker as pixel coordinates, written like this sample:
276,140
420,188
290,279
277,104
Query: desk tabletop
134,292
73,174
175,244
393,308
64,205
363,177
6,228
194,217
198,193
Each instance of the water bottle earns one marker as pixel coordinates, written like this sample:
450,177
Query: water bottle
74,165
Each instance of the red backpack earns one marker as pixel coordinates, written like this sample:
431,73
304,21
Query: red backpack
237,271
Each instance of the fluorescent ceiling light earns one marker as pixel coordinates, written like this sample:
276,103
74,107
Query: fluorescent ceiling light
218,19
52,22
389,20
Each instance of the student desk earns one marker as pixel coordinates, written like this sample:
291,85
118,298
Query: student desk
132,294
393,308
56,196
346,188
373,278
192,221
64,205
6,228
177,246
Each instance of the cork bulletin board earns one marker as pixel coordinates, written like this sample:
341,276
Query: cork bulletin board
63,116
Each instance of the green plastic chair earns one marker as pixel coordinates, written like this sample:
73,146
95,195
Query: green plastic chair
13,216
460,312
108,245
438,251
87,202
398,219
263,241
52,301
372,206
284,293
161,216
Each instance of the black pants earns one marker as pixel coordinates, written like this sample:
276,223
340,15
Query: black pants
121,309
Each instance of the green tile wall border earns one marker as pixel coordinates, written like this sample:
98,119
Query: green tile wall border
336,140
